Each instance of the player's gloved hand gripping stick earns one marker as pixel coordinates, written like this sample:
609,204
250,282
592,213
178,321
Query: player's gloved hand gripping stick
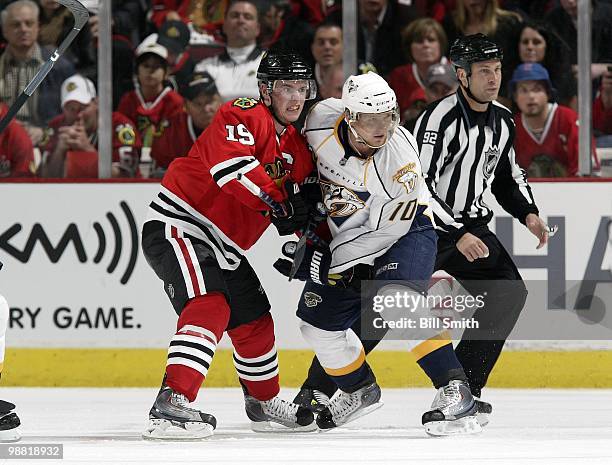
281,211
80,19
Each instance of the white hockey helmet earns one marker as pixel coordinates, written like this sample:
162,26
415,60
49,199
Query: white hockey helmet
368,94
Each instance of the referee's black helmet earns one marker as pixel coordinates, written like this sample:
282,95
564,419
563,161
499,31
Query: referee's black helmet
473,49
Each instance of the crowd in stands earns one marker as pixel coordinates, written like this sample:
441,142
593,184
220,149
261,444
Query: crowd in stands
176,61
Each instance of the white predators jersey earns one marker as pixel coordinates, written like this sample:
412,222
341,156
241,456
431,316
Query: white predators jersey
370,203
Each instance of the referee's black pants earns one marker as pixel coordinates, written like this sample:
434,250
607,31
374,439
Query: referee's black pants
503,292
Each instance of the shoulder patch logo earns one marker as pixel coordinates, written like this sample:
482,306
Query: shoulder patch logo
490,161
340,201
311,299
245,103
407,176
126,134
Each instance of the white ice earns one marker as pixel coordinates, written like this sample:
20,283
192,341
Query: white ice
103,426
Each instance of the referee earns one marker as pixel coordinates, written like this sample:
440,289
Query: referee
466,146
465,143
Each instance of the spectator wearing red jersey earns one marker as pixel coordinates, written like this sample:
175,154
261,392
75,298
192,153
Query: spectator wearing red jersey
16,151
71,143
546,143
424,43
153,101
602,111
202,100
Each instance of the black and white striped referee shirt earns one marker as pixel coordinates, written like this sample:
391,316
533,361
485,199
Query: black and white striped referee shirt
462,153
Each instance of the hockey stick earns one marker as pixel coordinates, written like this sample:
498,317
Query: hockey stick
265,198
80,18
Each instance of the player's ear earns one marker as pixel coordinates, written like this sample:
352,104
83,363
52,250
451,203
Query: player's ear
265,94
461,75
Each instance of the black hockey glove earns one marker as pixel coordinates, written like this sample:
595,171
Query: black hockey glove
315,267
296,210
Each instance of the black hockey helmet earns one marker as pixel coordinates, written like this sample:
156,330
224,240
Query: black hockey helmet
473,49
283,65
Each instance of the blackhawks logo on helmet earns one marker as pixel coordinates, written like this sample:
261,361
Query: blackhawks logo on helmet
245,103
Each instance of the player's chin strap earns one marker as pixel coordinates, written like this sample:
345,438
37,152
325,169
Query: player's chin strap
469,92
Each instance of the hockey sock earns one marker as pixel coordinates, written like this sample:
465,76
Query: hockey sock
199,329
441,365
355,380
255,357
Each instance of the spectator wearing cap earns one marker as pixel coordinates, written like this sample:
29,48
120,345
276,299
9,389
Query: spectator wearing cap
21,60
440,82
424,44
235,70
16,151
71,145
602,111
153,101
202,100
546,142
174,35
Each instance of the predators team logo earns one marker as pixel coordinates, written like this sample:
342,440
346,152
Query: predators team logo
311,299
490,161
407,177
340,201
245,103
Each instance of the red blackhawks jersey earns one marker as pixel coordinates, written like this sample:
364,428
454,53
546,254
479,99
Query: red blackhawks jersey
559,139
200,194
16,151
80,164
176,140
151,117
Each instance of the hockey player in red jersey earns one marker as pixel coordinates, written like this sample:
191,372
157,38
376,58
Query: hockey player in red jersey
199,227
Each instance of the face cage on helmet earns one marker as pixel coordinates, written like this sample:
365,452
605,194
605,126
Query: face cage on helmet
311,92
354,117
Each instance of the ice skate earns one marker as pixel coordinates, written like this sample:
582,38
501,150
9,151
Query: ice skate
312,399
9,422
453,411
170,418
277,415
483,411
346,407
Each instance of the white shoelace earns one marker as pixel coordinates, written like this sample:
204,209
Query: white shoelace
448,396
320,397
344,405
281,409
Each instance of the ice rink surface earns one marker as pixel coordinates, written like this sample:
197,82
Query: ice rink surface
103,426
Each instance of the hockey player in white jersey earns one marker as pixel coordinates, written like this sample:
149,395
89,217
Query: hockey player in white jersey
381,228
9,421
